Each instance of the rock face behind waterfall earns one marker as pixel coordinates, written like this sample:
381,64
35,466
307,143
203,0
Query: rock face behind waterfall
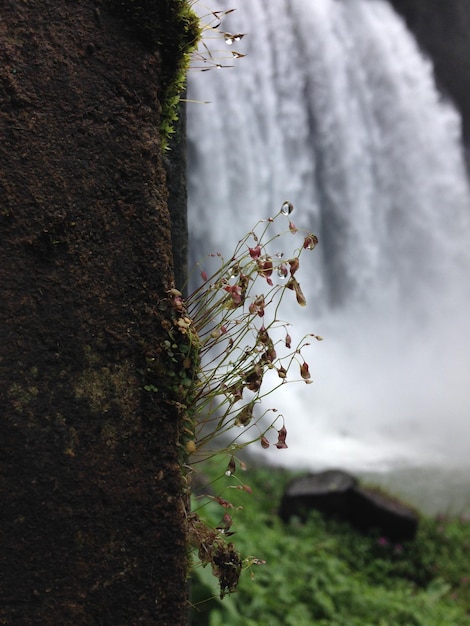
443,30
337,494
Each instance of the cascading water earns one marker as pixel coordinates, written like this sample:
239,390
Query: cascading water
335,109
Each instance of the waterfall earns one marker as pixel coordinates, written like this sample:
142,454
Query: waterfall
336,109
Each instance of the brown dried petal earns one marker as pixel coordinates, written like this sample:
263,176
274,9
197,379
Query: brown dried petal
294,265
246,414
231,467
304,371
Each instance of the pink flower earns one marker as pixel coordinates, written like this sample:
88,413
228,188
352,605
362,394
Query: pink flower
265,269
281,438
235,292
255,252
310,241
257,306
225,503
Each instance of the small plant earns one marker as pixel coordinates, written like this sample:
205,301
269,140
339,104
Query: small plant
246,350
231,351
204,58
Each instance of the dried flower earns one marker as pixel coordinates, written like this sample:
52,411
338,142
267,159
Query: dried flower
263,336
246,414
304,371
235,292
265,269
264,442
295,286
243,487
225,503
294,265
288,340
269,356
282,270
255,252
226,566
254,378
292,228
231,467
236,391
257,306
225,523
310,241
281,438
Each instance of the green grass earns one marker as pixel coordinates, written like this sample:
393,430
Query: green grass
323,572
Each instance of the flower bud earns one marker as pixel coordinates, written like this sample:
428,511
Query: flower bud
281,438
231,467
310,241
304,371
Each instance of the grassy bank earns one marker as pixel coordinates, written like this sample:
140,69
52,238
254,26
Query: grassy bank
324,573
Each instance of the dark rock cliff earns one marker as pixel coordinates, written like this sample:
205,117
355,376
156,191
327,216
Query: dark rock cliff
442,29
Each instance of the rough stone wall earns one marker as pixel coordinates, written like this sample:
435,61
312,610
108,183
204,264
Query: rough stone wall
92,512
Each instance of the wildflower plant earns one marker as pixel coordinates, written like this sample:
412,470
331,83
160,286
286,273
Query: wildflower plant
235,312
236,352
205,58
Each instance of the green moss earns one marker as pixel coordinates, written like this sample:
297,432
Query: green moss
107,387
21,396
172,29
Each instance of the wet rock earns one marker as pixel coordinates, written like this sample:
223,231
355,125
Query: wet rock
338,494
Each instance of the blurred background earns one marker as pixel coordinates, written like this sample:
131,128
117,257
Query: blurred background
336,107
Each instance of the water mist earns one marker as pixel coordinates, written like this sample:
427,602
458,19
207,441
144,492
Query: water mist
336,109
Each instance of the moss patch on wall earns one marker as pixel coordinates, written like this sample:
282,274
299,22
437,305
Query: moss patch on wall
172,30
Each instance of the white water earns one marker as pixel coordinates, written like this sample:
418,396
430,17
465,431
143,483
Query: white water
335,109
